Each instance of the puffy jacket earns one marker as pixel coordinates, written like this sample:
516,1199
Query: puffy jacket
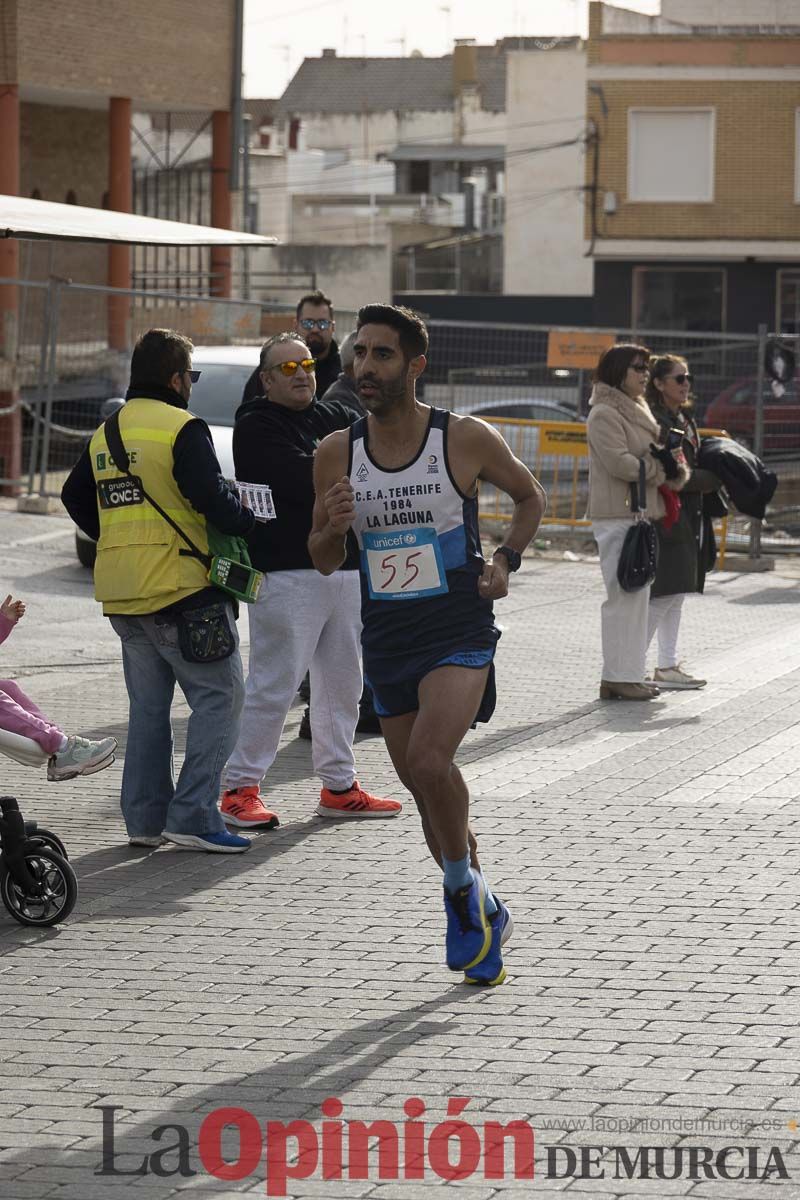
620,431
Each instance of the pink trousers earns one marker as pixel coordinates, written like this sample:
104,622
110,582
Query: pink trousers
18,714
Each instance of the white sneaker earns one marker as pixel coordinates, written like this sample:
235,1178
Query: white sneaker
675,678
81,757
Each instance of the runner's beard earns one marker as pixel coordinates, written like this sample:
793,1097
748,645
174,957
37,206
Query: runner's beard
386,397
316,345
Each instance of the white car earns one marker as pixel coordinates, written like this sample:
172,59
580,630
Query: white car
224,371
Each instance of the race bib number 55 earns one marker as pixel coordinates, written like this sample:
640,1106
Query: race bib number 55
403,566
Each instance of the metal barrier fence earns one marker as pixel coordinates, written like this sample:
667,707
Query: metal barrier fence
71,350
503,371
72,343
557,454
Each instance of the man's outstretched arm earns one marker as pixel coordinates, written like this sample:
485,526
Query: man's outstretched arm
334,510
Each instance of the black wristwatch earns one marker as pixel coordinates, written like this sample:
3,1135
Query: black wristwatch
513,556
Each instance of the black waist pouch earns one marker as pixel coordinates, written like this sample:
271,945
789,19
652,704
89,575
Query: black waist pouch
205,634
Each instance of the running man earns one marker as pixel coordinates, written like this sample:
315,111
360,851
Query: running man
405,480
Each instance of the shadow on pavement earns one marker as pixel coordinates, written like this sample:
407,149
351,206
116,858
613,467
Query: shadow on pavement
130,880
770,595
289,1089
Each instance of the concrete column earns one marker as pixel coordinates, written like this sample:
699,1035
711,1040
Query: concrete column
11,424
220,200
120,199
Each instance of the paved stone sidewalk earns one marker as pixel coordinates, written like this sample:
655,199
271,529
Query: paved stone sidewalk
649,854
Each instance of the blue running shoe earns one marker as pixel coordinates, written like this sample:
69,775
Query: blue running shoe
490,972
215,843
469,935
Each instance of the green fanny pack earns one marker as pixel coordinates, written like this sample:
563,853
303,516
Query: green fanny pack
228,562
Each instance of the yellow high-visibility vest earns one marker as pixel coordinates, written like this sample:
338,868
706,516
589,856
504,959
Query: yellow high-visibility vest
140,568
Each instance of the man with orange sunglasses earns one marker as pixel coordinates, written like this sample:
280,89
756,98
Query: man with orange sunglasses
302,621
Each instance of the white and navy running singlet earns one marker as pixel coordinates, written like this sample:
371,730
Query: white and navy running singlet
420,562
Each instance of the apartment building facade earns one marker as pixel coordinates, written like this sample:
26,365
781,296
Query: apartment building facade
693,219
74,76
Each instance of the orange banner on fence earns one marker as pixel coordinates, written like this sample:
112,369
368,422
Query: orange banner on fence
574,348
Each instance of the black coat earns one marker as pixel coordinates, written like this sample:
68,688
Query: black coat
747,481
345,391
687,551
275,445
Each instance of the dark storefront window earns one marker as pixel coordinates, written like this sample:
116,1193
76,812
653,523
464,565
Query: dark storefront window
788,302
690,298
419,177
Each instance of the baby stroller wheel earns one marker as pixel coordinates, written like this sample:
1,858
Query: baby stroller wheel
55,893
46,837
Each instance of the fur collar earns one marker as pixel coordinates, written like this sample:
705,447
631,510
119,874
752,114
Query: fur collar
636,411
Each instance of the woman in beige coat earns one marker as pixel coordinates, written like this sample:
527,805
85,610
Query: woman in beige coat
621,432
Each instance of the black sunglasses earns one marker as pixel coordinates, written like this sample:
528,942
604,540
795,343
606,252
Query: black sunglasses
684,377
193,375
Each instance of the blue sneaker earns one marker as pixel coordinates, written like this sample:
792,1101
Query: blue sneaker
490,972
469,935
215,843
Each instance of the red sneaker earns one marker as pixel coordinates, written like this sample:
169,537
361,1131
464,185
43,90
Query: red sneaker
355,803
245,807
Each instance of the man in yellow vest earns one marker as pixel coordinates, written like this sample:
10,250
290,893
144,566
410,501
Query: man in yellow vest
173,625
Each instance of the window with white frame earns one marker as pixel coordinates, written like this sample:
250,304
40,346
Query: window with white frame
671,155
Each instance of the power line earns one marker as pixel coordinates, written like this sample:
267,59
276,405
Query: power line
292,12
367,181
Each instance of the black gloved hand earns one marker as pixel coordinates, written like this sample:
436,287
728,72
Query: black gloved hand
664,456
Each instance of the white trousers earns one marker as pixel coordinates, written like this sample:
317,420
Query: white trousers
664,615
302,621
623,615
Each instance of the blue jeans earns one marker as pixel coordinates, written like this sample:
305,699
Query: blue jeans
151,801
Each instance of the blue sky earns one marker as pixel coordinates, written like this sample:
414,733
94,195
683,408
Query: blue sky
279,34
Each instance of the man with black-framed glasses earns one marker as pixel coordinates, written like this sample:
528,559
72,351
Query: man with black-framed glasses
301,621
315,325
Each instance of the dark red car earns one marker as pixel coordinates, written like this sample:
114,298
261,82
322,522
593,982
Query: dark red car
735,411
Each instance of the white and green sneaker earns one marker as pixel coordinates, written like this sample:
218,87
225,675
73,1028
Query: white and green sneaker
81,757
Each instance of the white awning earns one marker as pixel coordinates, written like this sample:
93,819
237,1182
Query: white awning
23,218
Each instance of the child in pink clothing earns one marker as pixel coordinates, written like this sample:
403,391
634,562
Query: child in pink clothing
69,756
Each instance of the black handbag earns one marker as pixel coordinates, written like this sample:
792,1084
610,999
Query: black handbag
638,558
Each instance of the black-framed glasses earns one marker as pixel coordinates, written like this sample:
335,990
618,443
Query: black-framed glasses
684,377
193,375
289,368
321,323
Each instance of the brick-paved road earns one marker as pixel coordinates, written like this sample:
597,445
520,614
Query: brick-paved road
648,853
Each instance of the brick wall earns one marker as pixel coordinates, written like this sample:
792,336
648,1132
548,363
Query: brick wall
171,54
8,41
63,149
754,156
754,160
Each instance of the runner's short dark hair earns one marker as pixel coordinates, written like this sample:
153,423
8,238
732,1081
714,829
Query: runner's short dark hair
316,297
158,354
409,325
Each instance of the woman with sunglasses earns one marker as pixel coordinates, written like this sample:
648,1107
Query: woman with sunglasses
685,545
622,432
